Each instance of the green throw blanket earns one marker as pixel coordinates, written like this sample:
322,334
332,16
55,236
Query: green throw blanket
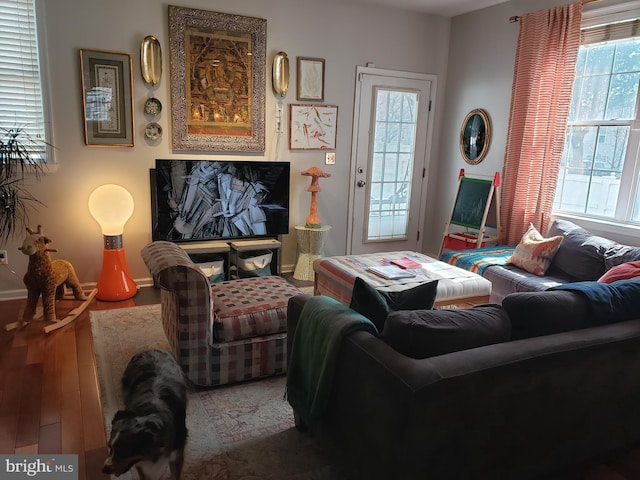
316,343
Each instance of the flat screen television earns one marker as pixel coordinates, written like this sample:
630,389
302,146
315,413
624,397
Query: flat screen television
200,200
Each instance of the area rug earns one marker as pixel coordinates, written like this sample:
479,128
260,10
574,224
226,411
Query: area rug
237,432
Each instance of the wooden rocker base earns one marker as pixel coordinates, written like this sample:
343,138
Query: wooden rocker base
71,316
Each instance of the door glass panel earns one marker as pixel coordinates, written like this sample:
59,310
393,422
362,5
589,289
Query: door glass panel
392,159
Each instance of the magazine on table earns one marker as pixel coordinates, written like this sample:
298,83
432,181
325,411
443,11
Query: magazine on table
391,272
405,262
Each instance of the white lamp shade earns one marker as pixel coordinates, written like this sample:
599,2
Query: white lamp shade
111,205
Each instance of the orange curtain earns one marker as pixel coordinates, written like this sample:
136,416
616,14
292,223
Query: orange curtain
540,98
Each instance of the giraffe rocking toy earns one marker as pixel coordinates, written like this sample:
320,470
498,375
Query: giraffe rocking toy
47,278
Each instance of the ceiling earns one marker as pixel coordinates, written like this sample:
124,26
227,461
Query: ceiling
446,8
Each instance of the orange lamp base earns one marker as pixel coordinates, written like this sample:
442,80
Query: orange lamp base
115,282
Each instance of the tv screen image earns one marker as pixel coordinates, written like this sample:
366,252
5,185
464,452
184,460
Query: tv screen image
197,200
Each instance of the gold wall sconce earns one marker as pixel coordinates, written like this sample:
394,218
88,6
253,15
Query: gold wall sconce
151,60
280,74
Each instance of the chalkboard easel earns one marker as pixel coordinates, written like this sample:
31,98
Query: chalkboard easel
476,203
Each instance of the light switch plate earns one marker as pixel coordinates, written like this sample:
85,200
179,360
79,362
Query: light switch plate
330,158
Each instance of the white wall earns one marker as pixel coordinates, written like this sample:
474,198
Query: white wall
344,35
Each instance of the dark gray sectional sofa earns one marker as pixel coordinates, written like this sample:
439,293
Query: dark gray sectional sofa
560,390
582,256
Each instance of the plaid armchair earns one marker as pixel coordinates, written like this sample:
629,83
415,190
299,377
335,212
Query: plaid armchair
224,332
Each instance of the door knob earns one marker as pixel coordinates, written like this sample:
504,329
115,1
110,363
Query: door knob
361,183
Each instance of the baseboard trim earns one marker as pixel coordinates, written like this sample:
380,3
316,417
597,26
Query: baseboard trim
21,294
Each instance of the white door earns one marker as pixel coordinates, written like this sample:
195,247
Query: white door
389,163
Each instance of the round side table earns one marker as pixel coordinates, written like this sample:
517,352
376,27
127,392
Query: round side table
310,246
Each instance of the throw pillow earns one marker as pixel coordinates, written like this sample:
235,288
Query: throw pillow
376,305
534,314
625,271
581,255
427,333
534,252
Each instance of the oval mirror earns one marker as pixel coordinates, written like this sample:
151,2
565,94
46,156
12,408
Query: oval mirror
151,60
475,136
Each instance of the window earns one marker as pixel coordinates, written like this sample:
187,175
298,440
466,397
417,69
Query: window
396,116
599,172
21,98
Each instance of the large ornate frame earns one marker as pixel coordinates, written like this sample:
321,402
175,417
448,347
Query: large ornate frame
218,64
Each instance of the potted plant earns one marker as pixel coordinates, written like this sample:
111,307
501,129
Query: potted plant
20,159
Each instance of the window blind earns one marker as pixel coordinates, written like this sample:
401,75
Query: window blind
21,104
612,31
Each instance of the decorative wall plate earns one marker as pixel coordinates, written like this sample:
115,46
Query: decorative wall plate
153,131
152,106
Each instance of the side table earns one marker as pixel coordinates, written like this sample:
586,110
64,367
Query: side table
310,246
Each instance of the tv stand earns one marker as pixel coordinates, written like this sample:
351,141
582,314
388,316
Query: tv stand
229,251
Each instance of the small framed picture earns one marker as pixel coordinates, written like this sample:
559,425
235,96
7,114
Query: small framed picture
313,127
107,101
310,79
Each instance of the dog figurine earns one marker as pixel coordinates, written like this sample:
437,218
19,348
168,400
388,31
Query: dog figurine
150,433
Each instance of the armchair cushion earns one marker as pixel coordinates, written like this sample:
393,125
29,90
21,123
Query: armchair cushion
250,307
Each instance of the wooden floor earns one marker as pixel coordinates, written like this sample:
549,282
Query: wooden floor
49,401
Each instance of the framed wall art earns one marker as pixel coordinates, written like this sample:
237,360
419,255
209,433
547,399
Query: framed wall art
313,127
310,75
217,70
107,101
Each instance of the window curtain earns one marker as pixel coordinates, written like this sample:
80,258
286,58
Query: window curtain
544,71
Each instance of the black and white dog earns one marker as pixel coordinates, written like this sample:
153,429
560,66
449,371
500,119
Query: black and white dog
151,431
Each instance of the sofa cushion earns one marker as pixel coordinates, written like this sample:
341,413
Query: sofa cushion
618,254
376,305
534,252
533,314
625,271
427,333
581,255
506,279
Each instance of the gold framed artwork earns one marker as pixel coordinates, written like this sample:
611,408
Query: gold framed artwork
313,127
310,79
107,101
218,64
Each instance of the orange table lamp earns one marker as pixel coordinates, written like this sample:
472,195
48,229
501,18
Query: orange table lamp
112,206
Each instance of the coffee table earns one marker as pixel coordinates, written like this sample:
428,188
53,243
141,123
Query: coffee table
335,276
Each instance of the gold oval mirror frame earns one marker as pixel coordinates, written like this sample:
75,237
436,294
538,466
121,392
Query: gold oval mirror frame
475,136
151,60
